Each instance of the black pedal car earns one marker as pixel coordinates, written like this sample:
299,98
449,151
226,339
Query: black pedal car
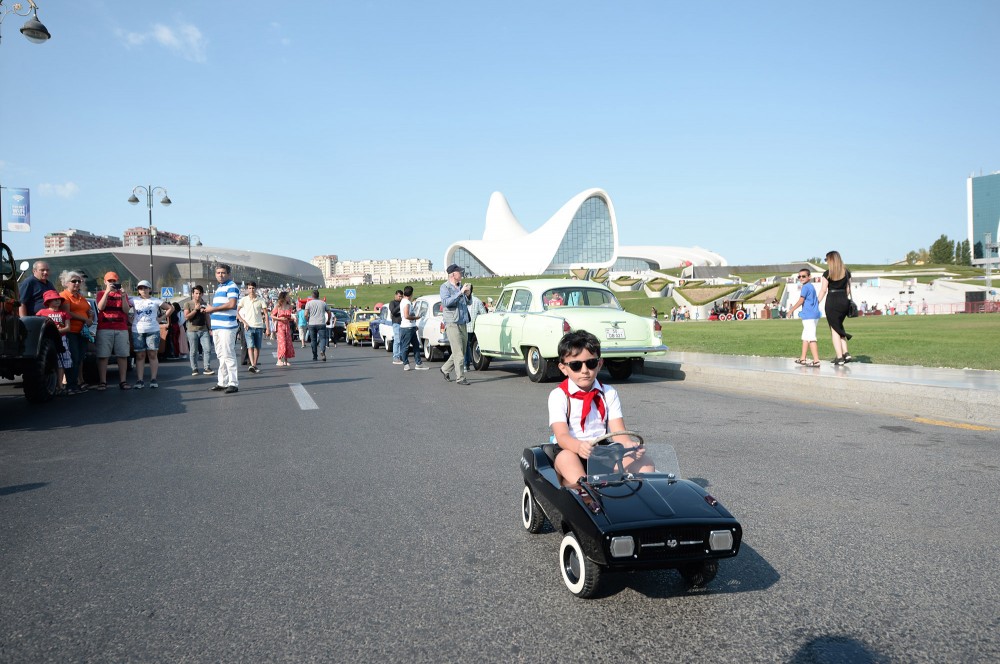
622,521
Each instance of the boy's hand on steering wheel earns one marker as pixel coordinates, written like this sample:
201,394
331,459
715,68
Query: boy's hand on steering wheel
586,448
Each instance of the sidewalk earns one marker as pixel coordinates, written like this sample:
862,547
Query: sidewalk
958,395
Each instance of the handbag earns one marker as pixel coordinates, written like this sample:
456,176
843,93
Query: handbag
852,309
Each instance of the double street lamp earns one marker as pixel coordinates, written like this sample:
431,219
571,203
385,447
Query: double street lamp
133,199
33,30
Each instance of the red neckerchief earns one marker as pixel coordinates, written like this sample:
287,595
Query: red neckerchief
589,397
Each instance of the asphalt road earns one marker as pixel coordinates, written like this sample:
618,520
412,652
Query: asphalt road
182,525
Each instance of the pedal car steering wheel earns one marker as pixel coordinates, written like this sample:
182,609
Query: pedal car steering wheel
614,451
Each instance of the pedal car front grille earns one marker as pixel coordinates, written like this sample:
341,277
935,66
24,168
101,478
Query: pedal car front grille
667,543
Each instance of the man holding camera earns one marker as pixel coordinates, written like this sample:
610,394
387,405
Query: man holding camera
112,331
455,312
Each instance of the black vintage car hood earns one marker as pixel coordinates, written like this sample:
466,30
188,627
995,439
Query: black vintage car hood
652,499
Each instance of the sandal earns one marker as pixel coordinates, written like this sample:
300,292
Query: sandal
848,358
812,363
802,362
101,387
124,386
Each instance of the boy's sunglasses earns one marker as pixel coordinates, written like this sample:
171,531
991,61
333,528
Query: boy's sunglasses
576,365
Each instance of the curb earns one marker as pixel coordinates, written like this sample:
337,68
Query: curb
966,406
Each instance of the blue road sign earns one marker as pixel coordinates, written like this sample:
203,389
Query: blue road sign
351,293
166,292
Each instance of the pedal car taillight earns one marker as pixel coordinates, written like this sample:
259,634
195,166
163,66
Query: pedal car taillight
566,327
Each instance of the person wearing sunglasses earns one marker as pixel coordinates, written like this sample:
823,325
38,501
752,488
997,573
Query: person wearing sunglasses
76,305
581,409
809,301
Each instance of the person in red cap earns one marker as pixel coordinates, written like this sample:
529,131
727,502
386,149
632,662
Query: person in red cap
53,311
112,331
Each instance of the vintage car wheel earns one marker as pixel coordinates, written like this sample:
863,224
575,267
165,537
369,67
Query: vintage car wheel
531,514
480,361
40,378
620,369
580,574
388,345
374,345
536,365
697,575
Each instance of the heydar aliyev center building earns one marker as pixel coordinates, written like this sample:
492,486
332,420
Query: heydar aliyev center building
582,234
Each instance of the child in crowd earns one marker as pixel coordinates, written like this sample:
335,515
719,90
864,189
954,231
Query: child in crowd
53,309
581,409
809,301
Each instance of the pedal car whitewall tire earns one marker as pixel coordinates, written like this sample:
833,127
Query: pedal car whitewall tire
531,514
580,574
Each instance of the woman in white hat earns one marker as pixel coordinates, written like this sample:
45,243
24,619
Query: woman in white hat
146,332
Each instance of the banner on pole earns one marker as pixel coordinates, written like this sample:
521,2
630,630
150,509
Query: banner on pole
20,210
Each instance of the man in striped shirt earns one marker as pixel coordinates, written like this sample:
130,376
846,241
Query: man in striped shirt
224,328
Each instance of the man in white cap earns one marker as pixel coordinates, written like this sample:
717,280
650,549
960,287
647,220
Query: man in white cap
455,312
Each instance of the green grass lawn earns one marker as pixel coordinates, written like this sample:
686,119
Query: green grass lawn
957,340
961,341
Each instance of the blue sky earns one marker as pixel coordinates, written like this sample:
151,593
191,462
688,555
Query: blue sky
764,131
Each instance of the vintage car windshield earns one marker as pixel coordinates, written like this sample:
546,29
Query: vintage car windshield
364,316
574,296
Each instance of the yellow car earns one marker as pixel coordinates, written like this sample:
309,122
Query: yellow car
357,329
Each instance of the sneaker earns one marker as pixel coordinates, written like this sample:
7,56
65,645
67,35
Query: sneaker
322,356
839,362
139,385
254,369
462,381
420,367
232,389
153,384
397,361
445,375
208,372
406,367
194,373
217,388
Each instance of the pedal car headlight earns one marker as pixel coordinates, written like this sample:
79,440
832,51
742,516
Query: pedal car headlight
720,540
622,547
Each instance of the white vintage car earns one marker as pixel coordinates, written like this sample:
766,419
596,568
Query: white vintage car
430,327
530,317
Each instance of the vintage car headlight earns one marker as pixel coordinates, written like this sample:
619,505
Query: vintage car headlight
720,540
622,547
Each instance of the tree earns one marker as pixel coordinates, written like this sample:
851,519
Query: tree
963,255
923,256
912,257
942,251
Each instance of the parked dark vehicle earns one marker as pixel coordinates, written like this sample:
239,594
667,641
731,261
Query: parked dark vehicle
339,332
28,345
619,521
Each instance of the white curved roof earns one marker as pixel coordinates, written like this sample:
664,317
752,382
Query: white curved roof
508,249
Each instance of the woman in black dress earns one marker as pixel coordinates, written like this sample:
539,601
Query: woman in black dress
836,283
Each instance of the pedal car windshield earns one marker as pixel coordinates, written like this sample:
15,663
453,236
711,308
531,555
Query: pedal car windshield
622,455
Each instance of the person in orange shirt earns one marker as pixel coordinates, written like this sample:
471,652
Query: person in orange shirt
78,308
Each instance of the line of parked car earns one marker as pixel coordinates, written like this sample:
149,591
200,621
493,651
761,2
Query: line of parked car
526,324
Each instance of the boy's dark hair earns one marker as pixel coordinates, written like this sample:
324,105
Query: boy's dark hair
407,291
197,287
576,341
252,283
399,292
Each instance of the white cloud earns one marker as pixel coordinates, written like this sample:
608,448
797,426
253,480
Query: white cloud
67,190
184,40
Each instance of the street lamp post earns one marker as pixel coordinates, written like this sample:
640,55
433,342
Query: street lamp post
33,31
190,278
133,199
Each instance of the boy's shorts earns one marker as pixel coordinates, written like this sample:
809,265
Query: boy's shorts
254,337
112,342
808,329
143,341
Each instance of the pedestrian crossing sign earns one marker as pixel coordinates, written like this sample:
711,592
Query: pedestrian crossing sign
351,293
166,292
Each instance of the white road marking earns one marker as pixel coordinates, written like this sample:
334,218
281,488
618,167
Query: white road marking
302,396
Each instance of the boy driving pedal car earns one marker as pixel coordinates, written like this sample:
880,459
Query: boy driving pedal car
581,409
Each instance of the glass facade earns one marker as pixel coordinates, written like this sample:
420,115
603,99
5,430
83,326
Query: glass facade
634,264
473,266
589,238
984,194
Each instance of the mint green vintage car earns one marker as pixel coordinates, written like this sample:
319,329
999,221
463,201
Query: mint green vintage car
530,317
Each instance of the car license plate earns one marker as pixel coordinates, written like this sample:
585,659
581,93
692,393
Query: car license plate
615,333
